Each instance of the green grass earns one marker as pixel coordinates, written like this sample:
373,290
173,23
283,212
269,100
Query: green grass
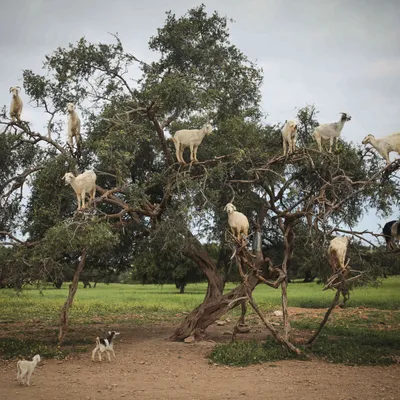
354,336
19,348
149,303
349,346
242,353
357,346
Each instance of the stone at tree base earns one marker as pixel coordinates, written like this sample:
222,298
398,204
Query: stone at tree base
189,339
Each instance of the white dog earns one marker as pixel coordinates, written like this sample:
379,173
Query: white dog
105,345
26,368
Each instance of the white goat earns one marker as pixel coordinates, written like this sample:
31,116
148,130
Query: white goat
105,345
237,221
26,368
74,125
330,131
16,104
289,136
384,145
189,138
337,252
82,184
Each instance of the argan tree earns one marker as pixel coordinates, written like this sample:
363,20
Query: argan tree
144,197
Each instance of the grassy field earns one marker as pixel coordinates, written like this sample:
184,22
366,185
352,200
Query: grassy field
367,332
119,303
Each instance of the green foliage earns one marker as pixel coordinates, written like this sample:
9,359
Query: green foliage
241,353
72,236
350,347
51,200
357,346
201,69
14,156
20,348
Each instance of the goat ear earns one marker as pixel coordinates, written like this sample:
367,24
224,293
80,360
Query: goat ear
18,87
225,208
10,89
109,332
233,207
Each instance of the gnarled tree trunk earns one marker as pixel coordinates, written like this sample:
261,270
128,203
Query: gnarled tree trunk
215,303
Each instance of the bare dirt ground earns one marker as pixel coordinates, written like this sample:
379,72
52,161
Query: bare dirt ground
149,367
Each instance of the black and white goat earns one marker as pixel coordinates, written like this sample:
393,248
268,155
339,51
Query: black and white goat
105,345
391,230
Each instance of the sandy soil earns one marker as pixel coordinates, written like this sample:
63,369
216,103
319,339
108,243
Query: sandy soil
149,367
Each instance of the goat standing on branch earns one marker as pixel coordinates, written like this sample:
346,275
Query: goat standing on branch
82,184
237,221
16,104
74,126
384,145
337,253
289,136
189,138
330,131
391,230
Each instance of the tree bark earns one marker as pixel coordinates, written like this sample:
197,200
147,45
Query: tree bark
289,246
326,317
73,287
215,304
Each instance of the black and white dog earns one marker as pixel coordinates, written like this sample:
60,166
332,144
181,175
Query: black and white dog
105,345
391,230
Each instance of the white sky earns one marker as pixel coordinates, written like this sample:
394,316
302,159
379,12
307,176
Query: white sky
341,55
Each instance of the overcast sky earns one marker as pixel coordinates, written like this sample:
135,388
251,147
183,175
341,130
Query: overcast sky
341,55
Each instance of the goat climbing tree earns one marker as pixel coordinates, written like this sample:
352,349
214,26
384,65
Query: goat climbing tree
145,200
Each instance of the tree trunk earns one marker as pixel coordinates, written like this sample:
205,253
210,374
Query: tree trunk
289,246
58,283
215,303
308,278
73,287
86,283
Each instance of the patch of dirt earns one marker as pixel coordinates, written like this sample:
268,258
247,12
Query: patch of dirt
148,367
